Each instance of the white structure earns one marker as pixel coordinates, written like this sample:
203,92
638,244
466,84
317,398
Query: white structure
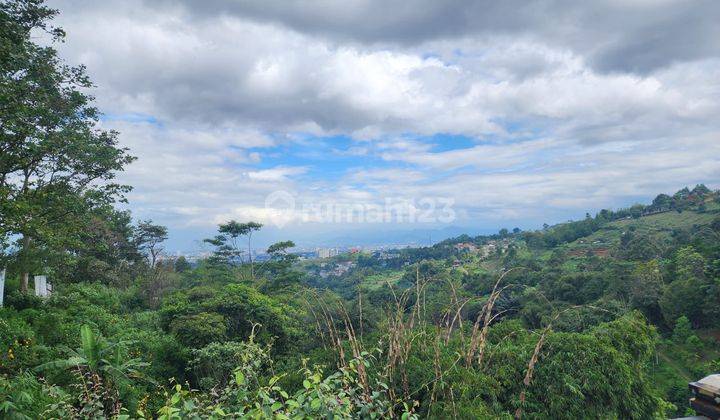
42,287
2,286
327,252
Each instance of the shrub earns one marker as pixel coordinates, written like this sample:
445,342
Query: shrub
341,395
212,366
25,397
17,342
682,330
199,330
20,301
80,294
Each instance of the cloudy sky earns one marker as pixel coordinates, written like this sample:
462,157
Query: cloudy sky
515,112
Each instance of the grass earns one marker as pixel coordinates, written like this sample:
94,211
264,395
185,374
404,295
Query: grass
377,281
658,224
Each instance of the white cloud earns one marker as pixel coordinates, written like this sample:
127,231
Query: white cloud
235,87
275,174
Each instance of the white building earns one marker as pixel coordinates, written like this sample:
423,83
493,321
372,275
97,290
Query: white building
42,287
327,252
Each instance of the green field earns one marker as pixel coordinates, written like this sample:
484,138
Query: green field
661,224
378,281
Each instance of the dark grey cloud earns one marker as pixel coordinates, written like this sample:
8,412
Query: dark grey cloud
614,35
221,63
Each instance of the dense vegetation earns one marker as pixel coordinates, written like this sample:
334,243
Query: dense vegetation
609,316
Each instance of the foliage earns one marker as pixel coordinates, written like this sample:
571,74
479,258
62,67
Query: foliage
198,330
212,365
104,370
24,397
148,238
56,166
227,247
339,395
236,307
682,330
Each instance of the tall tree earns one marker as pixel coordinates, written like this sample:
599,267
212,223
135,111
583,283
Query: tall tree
149,238
251,227
688,294
104,251
55,163
227,246
646,288
280,264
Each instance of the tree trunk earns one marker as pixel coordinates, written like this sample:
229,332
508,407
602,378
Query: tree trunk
252,272
25,279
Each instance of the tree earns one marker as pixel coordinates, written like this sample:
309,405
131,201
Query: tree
662,202
700,190
682,330
279,250
688,294
104,251
182,265
689,263
280,264
55,164
227,248
646,289
198,330
149,238
250,227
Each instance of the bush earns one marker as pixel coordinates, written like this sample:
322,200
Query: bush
81,294
199,330
25,397
682,330
213,365
17,341
20,301
341,395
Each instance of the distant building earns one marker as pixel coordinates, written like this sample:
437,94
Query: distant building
327,252
494,247
466,246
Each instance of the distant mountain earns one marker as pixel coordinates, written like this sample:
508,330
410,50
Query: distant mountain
376,237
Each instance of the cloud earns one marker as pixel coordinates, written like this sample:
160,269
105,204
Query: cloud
275,174
513,109
187,177
635,36
491,156
236,69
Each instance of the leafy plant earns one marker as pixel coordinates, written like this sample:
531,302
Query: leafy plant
103,369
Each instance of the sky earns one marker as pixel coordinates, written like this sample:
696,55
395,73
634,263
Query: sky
358,120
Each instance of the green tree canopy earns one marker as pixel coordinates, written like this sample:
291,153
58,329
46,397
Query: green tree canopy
55,163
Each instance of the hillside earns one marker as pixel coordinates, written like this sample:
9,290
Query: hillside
610,314
637,258
658,226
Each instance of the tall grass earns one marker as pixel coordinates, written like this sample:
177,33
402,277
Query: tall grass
407,327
